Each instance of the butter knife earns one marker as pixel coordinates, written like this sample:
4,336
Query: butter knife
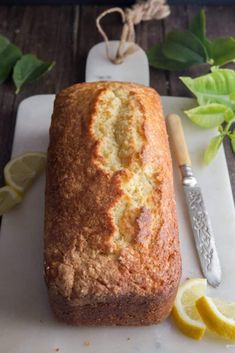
200,221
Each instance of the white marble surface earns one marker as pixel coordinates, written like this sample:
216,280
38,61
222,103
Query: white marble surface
26,322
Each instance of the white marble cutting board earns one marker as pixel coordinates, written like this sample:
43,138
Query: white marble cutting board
26,322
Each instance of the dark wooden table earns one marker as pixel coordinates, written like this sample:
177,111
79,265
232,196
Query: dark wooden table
66,33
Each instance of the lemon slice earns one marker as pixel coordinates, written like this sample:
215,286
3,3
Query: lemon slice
8,199
185,312
20,172
218,316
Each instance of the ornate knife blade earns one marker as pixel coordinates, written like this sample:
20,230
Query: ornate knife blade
200,221
201,226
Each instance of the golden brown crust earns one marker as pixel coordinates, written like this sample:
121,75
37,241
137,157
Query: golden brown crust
111,236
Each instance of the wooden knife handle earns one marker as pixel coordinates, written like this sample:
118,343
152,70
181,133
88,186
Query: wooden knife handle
176,134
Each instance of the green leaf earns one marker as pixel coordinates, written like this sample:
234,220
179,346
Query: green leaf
184,47
231,136
222,50
210,115
198,25
4,42
212,149
158,60
9,54
232,97
215,87
28,69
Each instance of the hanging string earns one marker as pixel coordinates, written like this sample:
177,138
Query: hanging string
141,11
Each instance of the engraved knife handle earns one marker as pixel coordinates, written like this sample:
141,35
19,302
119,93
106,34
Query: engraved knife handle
176,134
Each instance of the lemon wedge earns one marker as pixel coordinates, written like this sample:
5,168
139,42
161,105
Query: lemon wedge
218,316
185,312
20,172
8,199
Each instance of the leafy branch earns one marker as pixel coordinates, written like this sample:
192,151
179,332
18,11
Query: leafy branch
23,68
215,93
181,50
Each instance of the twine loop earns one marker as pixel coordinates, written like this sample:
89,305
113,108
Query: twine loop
141,11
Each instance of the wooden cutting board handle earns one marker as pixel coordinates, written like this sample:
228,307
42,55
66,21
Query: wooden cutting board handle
177,138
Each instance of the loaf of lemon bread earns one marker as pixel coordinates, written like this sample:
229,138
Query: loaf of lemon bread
111,237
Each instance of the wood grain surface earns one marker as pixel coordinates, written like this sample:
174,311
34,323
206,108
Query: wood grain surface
66,33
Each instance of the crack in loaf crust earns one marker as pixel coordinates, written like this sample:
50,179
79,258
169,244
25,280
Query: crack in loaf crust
111,237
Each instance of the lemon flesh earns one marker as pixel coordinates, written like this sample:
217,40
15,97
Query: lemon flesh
20,172
8,199
218,316
185,312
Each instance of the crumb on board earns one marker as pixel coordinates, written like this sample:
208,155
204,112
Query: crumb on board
56,350
128,339
87,343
